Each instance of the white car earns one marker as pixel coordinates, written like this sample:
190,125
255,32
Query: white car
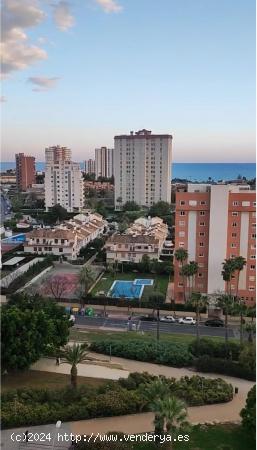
72,318
187,320
169,319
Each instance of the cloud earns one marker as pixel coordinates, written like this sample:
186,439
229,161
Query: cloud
3,99
16,51
43,83
109,6
62,16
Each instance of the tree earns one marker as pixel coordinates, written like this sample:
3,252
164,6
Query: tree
250,330
31,326
189,271
74,355
239,263
86,278
57,212
248,413
131,206
160,209
57,286
157,299
198,301
119,201
225,302
151,393
172,411
227,272
144,265
181,256
240,308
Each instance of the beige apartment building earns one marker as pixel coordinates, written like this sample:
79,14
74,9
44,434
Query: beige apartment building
104,162
214,222
144,237
142,168
66,239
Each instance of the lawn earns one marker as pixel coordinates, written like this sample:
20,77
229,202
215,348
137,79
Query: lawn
160,282
76,335
43,380
218,437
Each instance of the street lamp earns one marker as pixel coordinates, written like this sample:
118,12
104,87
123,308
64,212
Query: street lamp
57,426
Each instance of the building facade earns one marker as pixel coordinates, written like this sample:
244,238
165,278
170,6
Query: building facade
214,223
142,168
103,162
25,171
66,239
144,237
90,166
63,180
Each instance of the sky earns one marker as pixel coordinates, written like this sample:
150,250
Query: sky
77,73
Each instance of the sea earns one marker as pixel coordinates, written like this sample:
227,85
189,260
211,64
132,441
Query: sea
189,171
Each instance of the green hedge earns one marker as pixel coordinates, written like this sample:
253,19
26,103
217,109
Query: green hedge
224,366
170,354
215,349
26,407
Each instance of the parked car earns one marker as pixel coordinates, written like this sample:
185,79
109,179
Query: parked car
214,323
169,319
187,320
147,318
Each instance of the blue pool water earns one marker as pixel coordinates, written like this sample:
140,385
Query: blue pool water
18,238
128,289
143,282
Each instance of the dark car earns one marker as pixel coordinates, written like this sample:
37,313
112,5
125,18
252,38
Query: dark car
214,323
148,318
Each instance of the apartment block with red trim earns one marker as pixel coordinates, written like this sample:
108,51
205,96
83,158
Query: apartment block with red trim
25,171
214,222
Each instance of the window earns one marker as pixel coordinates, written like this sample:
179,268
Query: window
35,249
201,244
253,257
182,213
201,255
201,233
251,288
202,224
201,264
251,278
180,284
234,213
235,203
200,275
252,266
202,202
253,236
181,234
192,202
254,203
234,224
182,202
181,223
245,203
254,225
234,235
233,245
181,244
202,213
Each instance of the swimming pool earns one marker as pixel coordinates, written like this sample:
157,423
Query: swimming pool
129,289
17,238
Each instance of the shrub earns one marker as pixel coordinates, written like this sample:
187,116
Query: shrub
215,349
224,366
248,413
171,354
247,358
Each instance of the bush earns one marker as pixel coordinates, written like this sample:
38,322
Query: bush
224,366
215,349
248,413
171,354
247,358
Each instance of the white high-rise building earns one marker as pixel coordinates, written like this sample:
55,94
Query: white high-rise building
142,168
104,162
90,166
63,180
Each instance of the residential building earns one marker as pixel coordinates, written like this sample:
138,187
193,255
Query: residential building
68,238
144,237
63,180
214,222
142,168
103,162
90,166
25,171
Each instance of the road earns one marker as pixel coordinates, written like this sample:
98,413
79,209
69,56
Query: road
170,328
5,208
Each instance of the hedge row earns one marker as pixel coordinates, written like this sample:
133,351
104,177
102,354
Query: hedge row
40,406
170,354
224,366
215,349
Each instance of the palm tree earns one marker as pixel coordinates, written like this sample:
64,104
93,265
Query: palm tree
181,256
227,272
239,263
151,393
250,329
74,355
225,302
173,412
240,308
198,301
86,278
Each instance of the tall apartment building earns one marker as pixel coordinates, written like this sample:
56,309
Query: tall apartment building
213,223
63,180
103,162
142,168
25,171
90,166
